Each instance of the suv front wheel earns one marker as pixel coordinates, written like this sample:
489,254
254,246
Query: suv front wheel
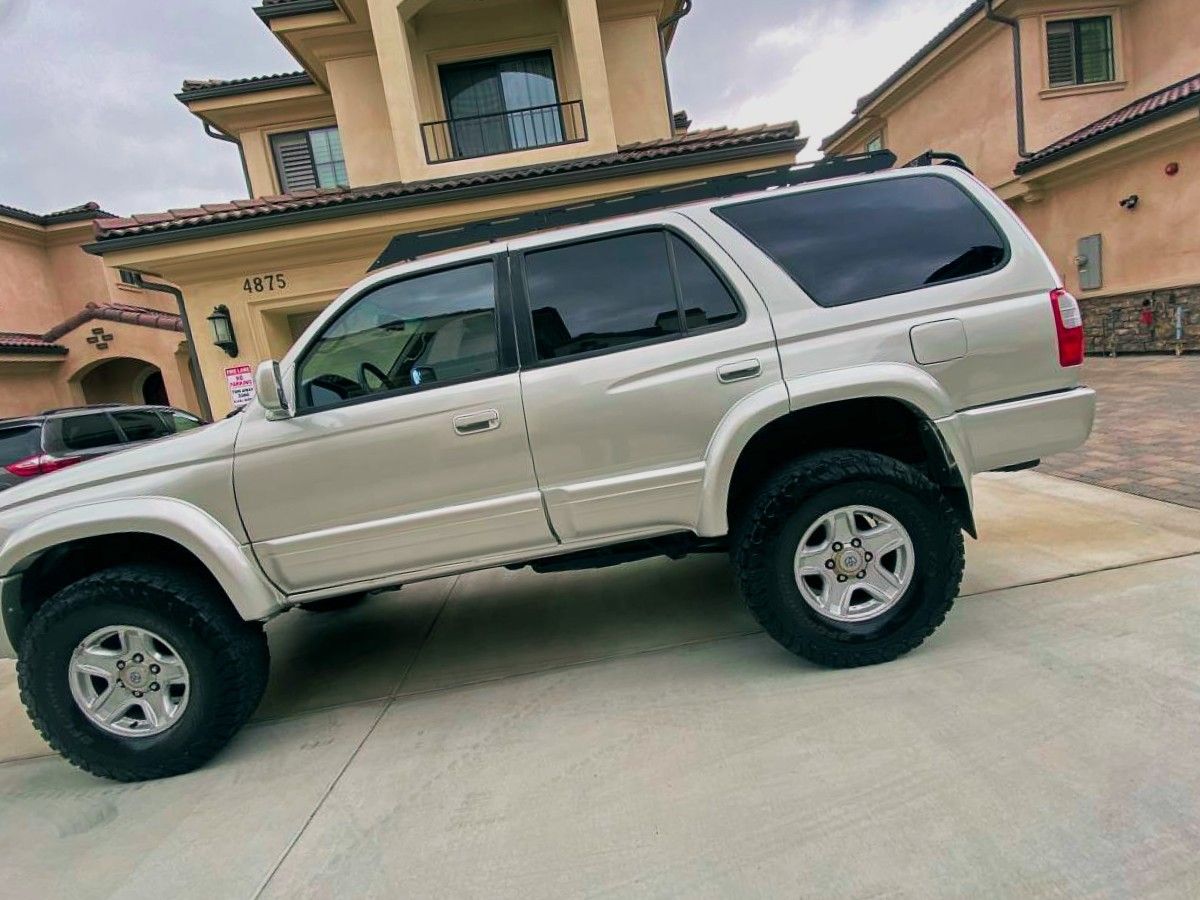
140,672
849,558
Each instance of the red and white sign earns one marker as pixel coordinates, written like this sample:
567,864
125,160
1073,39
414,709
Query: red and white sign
241,384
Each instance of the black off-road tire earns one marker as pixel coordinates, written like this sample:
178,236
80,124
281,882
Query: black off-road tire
767,535
336,604
227,659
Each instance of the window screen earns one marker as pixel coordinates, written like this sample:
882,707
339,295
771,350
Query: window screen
1080,51
19,443
88,432
862,241
309,159
141,425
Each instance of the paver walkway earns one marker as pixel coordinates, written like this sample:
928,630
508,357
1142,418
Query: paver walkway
1147,436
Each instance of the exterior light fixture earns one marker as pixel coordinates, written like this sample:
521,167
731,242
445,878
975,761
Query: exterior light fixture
221,326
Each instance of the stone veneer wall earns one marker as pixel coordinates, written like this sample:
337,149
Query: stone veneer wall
1114,324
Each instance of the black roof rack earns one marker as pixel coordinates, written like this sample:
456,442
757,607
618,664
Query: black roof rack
932,157
414,245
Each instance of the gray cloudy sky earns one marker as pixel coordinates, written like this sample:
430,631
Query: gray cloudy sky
87,107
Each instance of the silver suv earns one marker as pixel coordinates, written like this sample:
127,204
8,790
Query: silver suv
806,377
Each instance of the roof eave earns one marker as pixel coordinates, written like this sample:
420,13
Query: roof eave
294,8
1029,165
385,204
299,79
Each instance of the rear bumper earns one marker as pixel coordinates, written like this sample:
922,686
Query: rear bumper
1007,434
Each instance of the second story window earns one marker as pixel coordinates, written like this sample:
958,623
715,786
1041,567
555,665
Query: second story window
501,104
1080,51
875,143
309,159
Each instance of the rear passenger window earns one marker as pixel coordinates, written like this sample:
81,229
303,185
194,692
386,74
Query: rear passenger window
141,425
88,432
706,300
620,291
862,241
19,443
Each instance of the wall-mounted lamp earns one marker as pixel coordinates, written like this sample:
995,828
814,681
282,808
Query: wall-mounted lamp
1130,203
221,327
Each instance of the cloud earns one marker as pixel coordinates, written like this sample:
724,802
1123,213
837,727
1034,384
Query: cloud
822,58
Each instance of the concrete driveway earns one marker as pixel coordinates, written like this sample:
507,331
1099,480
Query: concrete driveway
630,732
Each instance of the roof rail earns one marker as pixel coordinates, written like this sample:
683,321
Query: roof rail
64,409
414,245
931,157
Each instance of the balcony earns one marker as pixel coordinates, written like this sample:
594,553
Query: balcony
471,137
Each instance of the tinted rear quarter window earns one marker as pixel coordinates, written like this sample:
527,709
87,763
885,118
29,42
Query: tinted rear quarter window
141,425
19,442
88,432
178,421
862,241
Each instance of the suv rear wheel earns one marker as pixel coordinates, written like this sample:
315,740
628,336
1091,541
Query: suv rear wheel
140,672
849,558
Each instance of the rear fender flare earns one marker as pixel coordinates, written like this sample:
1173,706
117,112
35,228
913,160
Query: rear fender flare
896,381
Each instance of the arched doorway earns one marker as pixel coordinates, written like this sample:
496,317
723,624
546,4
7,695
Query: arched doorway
122,380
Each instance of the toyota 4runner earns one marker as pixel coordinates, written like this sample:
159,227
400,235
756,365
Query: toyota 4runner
806,377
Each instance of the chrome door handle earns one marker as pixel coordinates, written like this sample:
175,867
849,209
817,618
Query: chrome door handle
477,423
739,371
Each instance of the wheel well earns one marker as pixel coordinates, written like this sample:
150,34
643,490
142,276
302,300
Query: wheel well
66,563
879,424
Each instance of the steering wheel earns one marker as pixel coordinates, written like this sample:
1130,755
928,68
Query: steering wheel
370,368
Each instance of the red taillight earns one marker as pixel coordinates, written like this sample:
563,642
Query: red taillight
40,465
1068,323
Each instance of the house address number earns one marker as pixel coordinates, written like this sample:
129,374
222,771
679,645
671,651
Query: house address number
261,284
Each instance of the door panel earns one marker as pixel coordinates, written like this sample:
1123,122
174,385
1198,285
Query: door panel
409,449
389,486
619,439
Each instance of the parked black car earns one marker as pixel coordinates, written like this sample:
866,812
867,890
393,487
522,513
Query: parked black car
57,438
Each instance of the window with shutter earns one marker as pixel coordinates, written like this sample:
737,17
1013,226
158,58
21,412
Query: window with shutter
309,159
1080,51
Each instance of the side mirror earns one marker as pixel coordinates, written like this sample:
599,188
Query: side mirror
268,388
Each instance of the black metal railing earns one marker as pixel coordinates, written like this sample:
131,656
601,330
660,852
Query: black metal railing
468,137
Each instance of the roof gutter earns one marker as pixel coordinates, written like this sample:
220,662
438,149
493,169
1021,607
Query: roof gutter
219,135
193,360
1018,79
685,7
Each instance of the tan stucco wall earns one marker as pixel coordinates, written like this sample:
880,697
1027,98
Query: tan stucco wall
45,278
358,97
1154,246
31,385
634,61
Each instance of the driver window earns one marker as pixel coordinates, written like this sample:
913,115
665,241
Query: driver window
422,331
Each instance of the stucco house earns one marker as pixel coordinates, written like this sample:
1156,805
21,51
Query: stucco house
1085,116
411,115
73,331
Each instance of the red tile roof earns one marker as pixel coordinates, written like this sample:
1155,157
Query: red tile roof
22,342
1139,112
117,312
712,139
80,213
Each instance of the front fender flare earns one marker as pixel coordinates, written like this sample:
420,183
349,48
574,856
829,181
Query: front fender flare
231,563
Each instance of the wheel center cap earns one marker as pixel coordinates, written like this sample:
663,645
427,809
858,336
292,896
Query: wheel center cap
136,677
849,561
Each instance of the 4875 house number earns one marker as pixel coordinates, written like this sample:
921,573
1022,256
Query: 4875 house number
262,284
